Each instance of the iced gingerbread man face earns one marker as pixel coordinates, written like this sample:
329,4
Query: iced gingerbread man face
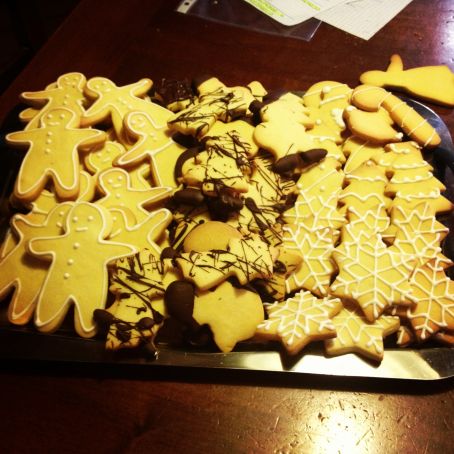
100,85
115,102
58,118
72,80
116,184
103,158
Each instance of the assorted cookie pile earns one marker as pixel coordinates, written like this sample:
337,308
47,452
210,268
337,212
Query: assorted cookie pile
197,214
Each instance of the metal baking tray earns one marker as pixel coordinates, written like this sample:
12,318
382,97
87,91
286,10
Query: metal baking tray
425,363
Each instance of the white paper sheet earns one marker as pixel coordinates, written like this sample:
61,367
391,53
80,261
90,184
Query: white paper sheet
362,18
292,12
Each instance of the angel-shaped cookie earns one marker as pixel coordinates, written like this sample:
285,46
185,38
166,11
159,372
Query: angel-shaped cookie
433,83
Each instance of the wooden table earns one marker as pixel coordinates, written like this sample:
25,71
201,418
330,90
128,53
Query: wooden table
52,408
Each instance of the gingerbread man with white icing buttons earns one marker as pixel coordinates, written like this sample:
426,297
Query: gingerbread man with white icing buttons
153,143
66,92
53,154
113,102
115,183
20,270
144,234
78,272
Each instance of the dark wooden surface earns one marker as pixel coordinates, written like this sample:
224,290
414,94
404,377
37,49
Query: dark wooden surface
53,408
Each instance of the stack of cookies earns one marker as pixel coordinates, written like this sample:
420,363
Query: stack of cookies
194,213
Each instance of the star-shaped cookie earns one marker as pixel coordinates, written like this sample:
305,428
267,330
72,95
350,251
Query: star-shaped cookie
372,274
433,293
299,320
356,335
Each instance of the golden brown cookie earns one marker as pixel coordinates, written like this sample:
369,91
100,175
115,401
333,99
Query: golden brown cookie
300,320
153,144
316,247
246,258
356,334
77,273
418,234
22,271
433,293
231,313
358,151
216,102
318,190
118,192
370,98
66,92
52,155
210,235
129,323
372,274
112,103
432,83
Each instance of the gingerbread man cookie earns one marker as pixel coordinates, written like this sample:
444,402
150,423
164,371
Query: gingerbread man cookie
104,158
115,184
47,200
66,92
22,271
141,235
327,101
78,268
113,102
153,143
53,154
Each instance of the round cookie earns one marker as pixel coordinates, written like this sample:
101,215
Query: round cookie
210,235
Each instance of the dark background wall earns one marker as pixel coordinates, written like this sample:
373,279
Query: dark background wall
25,25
